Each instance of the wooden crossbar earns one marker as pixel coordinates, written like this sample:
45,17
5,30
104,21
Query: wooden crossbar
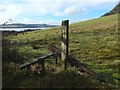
72,61
80,66
35,61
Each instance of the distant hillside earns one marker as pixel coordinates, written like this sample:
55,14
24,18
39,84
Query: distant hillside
115,10
19,25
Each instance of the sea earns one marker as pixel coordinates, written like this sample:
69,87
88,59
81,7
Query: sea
21,29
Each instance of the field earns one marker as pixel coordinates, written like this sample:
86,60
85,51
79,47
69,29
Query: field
93,42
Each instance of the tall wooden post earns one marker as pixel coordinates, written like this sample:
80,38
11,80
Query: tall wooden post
42,63
64,41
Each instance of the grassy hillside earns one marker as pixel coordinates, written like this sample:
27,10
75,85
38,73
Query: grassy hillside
93,42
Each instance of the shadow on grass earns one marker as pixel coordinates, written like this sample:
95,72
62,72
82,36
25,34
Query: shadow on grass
63,79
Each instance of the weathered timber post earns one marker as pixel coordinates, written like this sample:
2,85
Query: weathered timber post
42,63
64,41
56,60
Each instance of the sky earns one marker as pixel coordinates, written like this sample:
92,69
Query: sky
52,11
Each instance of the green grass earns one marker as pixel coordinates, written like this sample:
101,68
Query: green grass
93,42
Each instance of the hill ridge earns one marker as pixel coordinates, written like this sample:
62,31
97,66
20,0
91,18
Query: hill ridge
115,10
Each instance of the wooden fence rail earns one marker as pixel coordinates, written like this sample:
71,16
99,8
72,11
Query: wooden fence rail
72,61
80,66
39,60
56,52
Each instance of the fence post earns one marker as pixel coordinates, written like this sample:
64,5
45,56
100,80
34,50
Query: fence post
42,63
65,41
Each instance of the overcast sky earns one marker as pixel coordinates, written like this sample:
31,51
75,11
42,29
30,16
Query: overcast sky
52,11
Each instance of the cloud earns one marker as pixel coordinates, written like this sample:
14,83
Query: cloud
10,12
71,10
84,9
93,1
59,7
42,7
74,10
12,9
39,20
50,21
